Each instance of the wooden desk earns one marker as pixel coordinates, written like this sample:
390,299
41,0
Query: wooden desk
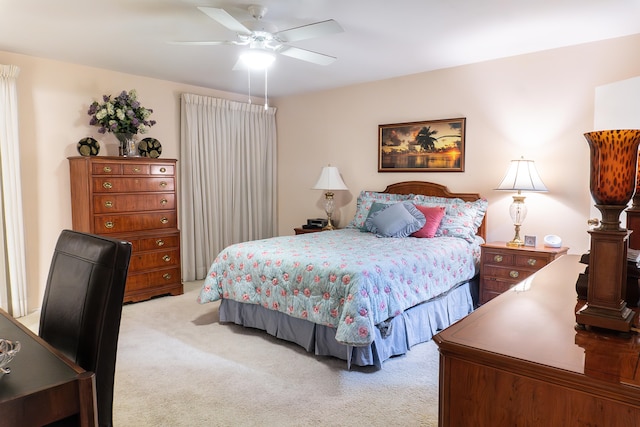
43,386
519,361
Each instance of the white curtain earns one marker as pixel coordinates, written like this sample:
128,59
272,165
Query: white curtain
227,178
13,288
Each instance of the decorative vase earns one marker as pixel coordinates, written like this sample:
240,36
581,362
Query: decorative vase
614,158
128,145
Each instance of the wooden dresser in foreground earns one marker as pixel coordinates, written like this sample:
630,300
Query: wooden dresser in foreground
134,199
502,266
519,361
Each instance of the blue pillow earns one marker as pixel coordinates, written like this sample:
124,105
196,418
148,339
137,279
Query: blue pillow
375,207
397,220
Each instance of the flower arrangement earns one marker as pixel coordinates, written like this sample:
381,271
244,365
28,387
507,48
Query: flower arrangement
122,114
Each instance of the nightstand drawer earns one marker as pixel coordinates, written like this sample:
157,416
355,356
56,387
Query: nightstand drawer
532,260
495,285
490,257
505,272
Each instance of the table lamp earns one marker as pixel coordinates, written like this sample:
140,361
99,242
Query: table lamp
329,181
521,176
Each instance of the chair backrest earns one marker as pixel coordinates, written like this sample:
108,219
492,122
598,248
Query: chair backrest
82,306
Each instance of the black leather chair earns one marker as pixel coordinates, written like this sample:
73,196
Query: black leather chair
82,306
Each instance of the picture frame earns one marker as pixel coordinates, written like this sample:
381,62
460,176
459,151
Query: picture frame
530,240
426,146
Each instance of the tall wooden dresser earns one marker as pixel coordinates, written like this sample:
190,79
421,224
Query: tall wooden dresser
134,199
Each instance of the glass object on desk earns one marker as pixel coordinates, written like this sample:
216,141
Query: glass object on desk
8,350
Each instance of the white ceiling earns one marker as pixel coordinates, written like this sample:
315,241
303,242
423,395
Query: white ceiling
381,38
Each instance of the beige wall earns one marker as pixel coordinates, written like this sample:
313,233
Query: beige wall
536,106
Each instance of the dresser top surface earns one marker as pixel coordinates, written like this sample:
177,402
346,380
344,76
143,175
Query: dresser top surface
535,323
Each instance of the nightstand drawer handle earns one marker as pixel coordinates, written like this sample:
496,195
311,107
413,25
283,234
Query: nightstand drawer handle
166,276
106,169
109,224
166,258
163,170
108,204
164,202
136,170
497,258
514,274
107,185
532,261
160,242
163,184
164,220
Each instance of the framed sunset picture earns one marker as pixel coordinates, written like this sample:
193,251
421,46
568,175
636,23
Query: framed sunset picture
428,146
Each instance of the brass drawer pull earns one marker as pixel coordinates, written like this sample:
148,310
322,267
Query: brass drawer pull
160,242
166,276
166,258
163,184
532,261
164,220
106,169
163,169
108,204
107,185
136,169
514,274
109,224
164,202
497,258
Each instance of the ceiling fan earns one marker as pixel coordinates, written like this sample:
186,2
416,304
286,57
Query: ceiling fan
263,37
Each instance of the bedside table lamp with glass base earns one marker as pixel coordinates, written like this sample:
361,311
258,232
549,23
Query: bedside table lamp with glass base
329,181
521,176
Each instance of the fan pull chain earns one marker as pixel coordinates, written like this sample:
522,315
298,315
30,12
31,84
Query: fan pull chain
266,98
249,80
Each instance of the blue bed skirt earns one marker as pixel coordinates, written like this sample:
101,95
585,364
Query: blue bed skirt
416,325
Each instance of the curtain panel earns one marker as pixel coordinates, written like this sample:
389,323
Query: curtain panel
13,285
227,173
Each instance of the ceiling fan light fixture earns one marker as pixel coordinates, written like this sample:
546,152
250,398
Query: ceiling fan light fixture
257,59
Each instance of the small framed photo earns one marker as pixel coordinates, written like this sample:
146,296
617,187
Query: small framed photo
529,240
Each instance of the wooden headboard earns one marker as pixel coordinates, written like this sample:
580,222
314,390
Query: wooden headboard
433,189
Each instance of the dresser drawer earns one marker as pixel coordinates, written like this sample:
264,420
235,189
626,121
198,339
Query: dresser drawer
106,168
157,242
113,184
106,203
154,279
109,224
136,169
162,169
150,260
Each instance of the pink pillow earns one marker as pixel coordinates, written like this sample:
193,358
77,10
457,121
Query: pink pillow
433,215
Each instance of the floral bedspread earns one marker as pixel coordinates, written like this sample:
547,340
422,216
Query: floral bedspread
346,279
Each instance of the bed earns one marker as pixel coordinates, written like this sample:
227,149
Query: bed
404,268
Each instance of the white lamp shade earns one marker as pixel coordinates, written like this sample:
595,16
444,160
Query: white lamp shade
330,180
522,176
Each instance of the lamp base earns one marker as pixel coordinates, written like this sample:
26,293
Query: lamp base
516,241
606,307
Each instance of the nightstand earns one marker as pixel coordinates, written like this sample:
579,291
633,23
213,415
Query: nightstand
300,230
502,267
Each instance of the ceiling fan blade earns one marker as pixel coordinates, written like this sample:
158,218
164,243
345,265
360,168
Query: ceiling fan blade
310,31
306,55
223,17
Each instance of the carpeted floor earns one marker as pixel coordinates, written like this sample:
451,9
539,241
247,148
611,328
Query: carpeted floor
177,366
